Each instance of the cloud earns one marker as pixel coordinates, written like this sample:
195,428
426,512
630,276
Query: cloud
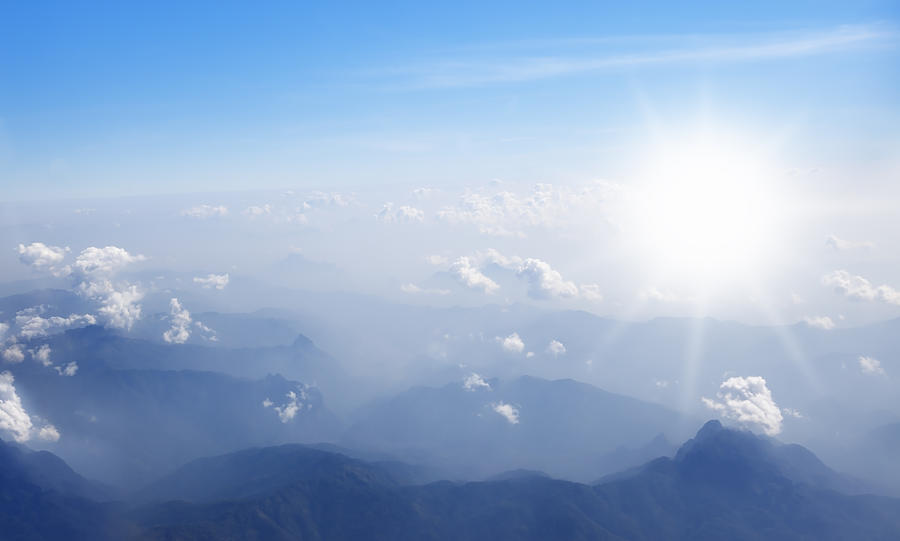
474,382
4,328
505,213
218,281
860,289
544,282
42,257
791,412
42,355
296,402
842,245
870,365
508,411
255,210
556,348
467,273
655,295
180,329
13,417
31,326
205,211
209,334
748,402
512,343
413,289
14,353
104,261
469,72
591,292
70,369
404,214
437,260
119,301
819,322
326,199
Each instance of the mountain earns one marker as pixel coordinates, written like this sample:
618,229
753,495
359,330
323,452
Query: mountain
125,425
563,427
42,499
722,484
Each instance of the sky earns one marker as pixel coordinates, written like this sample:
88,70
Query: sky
728,160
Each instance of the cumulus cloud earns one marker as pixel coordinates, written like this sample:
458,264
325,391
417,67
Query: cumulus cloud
119,301
31,326
13,417
870,365
508,411
404,214
326,199
296,402
512,343
205,211
42,257
858,288
502,212
747,401
218,281
466,272
591,292
180,329
413,289
556,348
255,210
842,244
474,382
14,353
543,281
655,295
819,322
42,355
70,369
207,333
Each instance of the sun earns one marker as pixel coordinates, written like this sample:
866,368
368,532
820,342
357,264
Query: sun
707,209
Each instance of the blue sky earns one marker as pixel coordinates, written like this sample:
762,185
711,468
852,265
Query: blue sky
106,99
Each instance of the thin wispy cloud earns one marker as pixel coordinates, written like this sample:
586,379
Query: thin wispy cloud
468,72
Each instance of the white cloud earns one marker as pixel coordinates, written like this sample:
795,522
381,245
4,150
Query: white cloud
13,417
31,326
591,292
323,200
218,281
508,411
404,214
556,348
70,369
749,402
42,355
841,244
870,365
512,343
506,213
474,381
119,301
105,261
467,273
413,289
48,433
209,334
656,295
437,260
255,210
544,282
205,211
4,328
296,402
858,288
180,329
42,257
14,353
791,412
819,322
